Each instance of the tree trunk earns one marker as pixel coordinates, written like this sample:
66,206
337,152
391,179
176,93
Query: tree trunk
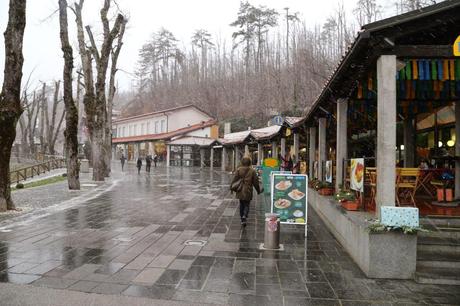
95,97
10,97
42,120
97,146
71,118
24,142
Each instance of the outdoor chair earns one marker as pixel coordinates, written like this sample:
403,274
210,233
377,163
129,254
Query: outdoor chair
371,173
347,178
407,183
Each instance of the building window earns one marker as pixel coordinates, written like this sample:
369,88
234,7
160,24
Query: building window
148,128
143,129
136,131
163,126
124,131
156,127
130,130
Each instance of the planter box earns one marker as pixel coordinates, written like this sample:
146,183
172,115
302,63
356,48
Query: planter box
390,255
448,193
350,205
326,191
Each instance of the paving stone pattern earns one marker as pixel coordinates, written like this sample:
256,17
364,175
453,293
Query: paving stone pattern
130,241
34,201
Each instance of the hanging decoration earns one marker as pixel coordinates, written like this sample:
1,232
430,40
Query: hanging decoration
420,79
419,85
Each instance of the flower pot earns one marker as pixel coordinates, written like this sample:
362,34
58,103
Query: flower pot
444,192
350,205
449,195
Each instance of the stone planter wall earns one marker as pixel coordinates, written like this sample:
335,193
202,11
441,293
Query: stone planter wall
386,255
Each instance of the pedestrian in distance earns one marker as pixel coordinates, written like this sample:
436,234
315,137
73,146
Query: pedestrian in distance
155,160
148,163
139,165
122,160
243,182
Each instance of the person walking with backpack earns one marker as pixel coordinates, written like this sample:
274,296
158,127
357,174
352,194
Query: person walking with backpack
243,182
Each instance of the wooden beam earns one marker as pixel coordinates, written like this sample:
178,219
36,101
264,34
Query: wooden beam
424,51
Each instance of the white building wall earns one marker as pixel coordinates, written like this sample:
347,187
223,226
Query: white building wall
141,126
185,117
160,123
206,132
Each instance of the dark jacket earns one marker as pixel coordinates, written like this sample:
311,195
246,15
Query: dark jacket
139,163
250,180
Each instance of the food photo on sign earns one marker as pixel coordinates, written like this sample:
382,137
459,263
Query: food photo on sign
357,174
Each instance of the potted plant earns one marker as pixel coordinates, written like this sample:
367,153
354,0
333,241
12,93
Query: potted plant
325,188
347,200
312,183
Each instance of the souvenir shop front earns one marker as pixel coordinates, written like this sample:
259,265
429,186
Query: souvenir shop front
394,96
386,123
427,92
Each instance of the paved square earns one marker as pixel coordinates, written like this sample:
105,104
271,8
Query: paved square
130,241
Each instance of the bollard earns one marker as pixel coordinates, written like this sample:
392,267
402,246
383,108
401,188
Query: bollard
84,166
272,232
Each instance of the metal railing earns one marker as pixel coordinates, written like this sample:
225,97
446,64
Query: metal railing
24,173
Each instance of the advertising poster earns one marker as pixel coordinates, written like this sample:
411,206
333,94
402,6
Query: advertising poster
303,167
329,171
289,197
357,174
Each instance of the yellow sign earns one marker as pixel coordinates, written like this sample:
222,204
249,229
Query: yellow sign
271,162
457,46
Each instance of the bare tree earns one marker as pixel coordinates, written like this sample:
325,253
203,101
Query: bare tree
71,118
10,96
53,126
253,78
32,109
95,92
43,107
367,11
403,6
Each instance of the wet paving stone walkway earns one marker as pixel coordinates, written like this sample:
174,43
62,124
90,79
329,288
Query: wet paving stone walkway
132,241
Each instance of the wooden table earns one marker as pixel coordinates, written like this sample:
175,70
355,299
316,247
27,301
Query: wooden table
427,175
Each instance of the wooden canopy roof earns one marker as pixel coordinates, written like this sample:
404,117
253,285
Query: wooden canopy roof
425,33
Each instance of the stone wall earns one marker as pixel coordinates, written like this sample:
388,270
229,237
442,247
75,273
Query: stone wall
387,255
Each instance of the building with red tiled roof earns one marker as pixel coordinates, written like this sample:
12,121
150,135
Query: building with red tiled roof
148,133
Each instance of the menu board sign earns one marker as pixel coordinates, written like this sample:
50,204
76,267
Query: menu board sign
289,197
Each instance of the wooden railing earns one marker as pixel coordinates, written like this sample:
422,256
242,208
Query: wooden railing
23,174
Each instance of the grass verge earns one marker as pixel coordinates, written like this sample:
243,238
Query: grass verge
47,181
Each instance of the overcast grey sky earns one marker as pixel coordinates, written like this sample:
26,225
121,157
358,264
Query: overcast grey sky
42,46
